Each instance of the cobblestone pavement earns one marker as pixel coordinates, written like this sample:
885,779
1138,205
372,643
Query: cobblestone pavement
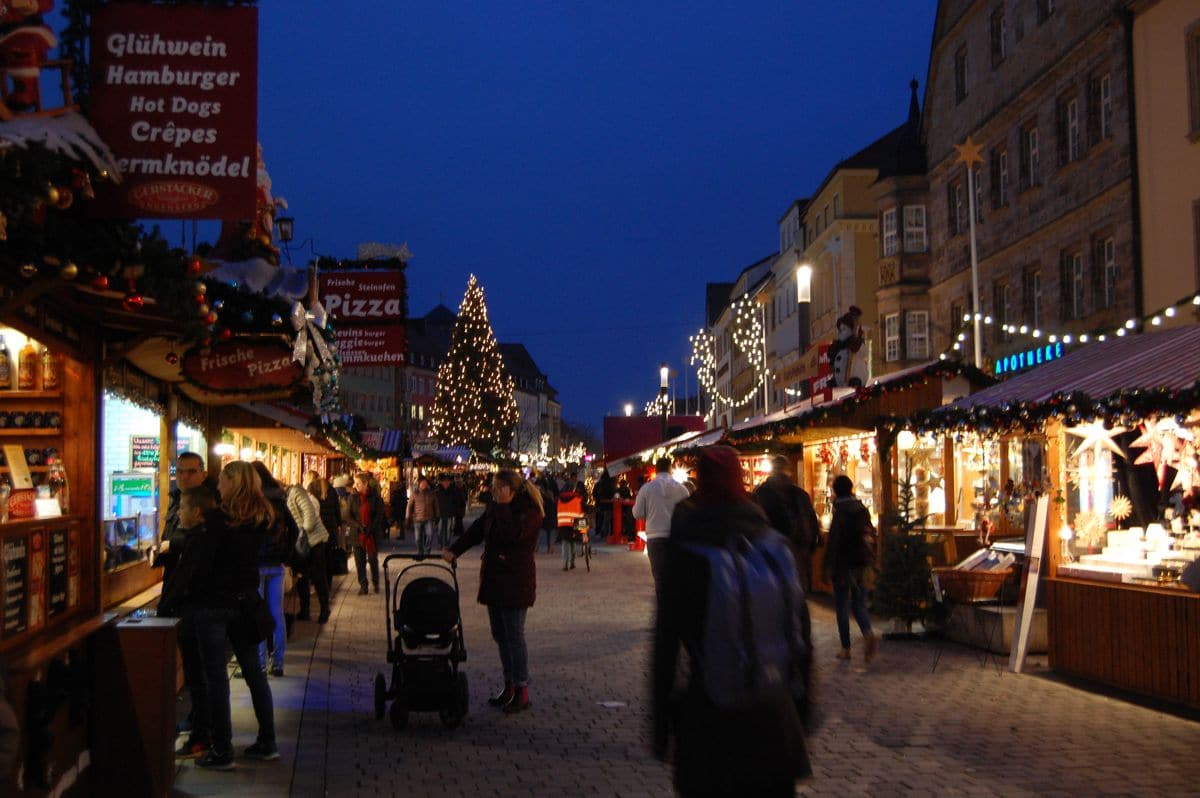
895,728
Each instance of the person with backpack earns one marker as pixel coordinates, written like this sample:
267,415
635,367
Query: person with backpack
848,556
789,508
732,598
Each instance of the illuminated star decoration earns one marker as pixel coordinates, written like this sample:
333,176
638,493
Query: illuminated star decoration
1096,437
1151,441
969,152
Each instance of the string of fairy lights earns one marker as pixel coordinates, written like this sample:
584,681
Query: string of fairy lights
746,332
1131,326
474,404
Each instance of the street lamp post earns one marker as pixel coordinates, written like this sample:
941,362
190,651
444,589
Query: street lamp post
628,409
804,274
664,374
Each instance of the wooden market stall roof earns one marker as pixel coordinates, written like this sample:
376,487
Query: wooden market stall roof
898,394
1168,360
688,441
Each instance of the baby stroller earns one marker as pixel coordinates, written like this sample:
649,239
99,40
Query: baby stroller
425,644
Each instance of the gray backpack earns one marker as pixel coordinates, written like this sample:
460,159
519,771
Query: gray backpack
751,644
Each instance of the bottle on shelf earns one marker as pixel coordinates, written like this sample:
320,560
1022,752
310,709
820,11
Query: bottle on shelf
6,376
27,367
49,370
56,478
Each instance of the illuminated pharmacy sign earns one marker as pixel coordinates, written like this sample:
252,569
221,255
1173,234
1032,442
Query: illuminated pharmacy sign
1030,357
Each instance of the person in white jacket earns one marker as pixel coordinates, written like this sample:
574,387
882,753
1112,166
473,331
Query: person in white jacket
304,509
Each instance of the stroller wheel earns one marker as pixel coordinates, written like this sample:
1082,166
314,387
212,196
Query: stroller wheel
456,712
380,696
398,714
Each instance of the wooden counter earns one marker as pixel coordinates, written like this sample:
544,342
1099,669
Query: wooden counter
1144,639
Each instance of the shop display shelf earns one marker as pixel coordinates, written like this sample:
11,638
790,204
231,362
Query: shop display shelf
31,432
29,395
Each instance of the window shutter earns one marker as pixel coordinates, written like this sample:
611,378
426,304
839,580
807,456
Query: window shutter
950,209
1061,125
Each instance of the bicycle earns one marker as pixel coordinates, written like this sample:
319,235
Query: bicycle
582,528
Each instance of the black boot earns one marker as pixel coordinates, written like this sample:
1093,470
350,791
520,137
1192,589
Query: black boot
503,698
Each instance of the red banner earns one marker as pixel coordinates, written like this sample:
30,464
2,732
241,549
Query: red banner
242,367
175,96
367,308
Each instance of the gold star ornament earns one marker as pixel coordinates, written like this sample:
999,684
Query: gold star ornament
969,152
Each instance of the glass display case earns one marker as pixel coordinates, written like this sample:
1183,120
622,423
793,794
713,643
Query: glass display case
129,540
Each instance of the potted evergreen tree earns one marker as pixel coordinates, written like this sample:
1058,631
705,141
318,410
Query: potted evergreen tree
903,589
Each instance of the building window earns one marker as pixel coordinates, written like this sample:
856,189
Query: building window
916,323
1107,251
1031,163
1193,76
999,178
1068,130
837,206
1072,286
1033,297
1045,8
915,239
960,75
825,217
1002,299
956,198
999,37
891,337
957,312
890,244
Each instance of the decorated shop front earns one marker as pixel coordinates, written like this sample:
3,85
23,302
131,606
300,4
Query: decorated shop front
846,435
1109,434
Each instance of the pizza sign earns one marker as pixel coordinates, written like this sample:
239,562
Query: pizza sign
242,367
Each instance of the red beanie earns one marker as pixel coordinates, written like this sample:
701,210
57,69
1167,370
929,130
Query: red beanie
719,476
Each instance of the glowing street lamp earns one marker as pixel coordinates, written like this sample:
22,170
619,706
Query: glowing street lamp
628,409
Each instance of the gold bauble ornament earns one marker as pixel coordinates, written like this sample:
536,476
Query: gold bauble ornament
28,270
69,272
52,195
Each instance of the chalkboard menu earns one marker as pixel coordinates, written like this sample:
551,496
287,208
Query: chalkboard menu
58,572
15,555
143,450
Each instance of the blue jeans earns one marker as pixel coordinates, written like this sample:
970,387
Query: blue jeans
424,530
508,630
270,586
212,630
445,529
849,595
568,552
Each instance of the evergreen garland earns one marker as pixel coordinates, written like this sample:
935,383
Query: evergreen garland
474,403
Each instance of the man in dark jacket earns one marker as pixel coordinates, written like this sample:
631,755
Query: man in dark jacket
189,473
447,503
790,510
844,567
366,517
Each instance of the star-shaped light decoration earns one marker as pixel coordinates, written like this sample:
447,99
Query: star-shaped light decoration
969,152
1096,437
1187,470
1152,442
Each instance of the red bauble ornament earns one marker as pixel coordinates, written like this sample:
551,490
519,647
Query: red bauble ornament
210,318
133,302
193,266
225,334
172,358
199,299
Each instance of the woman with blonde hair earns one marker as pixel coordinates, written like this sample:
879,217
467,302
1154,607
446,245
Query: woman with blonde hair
225,587
509,530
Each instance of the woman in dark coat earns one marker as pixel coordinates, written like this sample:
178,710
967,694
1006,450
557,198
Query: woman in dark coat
508,530
759,750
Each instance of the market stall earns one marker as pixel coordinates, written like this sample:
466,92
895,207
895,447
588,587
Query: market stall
1109,434
845,433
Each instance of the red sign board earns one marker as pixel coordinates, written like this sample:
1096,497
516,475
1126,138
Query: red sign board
175,96
381,345
367,307
242,367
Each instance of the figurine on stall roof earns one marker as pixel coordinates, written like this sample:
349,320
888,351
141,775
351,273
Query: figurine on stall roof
847,341
24,44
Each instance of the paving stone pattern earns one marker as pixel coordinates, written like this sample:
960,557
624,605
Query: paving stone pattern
893,728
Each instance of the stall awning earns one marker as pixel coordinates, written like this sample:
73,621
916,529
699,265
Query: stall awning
387,442
688,440
1155,360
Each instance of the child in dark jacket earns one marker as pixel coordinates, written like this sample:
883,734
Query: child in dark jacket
177,600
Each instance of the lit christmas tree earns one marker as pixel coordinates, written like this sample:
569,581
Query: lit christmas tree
474,404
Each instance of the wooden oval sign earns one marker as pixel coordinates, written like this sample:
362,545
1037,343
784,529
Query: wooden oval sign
243,367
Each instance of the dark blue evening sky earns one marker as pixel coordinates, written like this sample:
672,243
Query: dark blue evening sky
594,164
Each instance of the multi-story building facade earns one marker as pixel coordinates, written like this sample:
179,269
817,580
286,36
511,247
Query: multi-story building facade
1166,79
1042,86
537,403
